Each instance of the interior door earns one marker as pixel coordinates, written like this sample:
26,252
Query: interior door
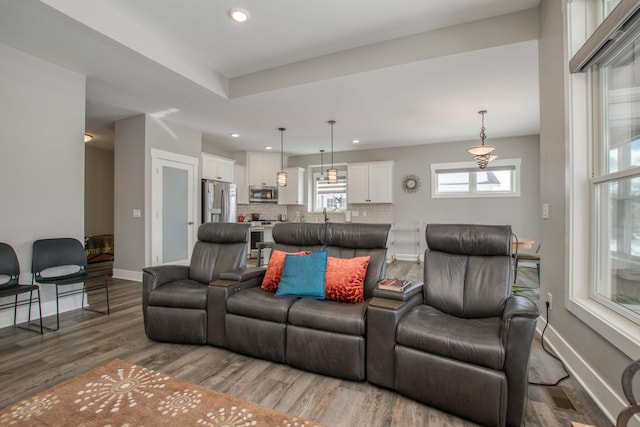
173,208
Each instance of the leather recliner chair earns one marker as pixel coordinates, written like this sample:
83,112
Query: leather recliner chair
175,297
465,347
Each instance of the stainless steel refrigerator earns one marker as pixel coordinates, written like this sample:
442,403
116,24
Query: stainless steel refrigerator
219,203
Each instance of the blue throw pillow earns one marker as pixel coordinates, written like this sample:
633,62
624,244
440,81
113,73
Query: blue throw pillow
304,275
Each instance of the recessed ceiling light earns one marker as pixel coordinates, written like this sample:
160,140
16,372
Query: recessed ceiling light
234,135
355,141
267,147
87,137
239,15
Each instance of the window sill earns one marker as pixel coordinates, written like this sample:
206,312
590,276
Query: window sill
622,333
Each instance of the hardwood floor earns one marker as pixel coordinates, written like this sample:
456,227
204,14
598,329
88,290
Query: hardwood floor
32,363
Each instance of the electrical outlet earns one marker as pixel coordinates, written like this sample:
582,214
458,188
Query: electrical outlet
550,299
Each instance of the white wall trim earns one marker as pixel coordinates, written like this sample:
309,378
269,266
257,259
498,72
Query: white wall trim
610,402
135,276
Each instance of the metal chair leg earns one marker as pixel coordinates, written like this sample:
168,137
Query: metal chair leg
39,309
106,288
15,311
57,310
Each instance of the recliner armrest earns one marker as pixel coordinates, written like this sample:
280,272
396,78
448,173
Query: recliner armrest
518,306
409,292
163,274
218,293
243,274
518,326
383,315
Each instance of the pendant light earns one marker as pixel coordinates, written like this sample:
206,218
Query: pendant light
322,163
332,174
282,175
482,153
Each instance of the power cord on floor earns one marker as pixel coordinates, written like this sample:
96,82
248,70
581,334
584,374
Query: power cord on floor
550,354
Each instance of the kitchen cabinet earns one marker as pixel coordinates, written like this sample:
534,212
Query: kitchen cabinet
293,193
240,180
370,182
217,168
262,169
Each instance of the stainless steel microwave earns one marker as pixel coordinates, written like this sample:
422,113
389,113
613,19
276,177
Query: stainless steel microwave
263,194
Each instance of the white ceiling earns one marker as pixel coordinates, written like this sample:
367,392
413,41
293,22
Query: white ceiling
390,73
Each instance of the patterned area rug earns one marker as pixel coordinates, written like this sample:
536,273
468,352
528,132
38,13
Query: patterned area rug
122,394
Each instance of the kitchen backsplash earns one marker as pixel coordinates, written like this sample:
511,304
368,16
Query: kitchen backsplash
267,211
367,213
377,213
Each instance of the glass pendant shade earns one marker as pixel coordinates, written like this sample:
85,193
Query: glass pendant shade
282,179
332,175
482,153
481,150
282,175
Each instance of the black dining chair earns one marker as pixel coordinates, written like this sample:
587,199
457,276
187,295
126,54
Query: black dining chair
63,262
10,286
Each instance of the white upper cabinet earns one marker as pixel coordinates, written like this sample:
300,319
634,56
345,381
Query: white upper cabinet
370,182
217,168
293,193
262,169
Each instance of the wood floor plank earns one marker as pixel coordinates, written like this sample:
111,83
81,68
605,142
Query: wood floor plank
30,363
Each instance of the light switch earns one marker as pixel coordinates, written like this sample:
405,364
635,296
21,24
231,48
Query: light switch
545,210
137,213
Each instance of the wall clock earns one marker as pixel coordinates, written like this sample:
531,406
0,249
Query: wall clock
410,183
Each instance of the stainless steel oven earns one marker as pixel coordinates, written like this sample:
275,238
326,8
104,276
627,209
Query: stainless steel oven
257,236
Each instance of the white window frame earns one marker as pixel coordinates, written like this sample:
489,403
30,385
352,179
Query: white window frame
499,164
313,171
624,334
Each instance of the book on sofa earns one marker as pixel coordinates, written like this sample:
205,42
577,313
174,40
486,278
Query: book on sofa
396,285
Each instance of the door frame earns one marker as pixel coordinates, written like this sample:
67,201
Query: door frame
161,158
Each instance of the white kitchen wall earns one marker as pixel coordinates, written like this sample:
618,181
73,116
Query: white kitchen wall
411,209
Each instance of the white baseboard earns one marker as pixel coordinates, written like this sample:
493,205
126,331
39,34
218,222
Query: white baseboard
610,402
135,276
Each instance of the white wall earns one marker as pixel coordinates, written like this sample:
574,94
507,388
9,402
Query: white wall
42,152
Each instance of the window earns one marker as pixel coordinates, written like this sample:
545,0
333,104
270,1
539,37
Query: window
332,197
465,179
615,185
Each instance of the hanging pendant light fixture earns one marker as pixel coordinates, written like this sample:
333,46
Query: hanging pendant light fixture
482,153
282,175
332,174
321,162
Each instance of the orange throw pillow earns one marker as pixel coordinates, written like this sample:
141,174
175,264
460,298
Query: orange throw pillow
345,278
272,277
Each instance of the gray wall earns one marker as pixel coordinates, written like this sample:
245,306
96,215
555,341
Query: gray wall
593,358
410,208
98,191
129,171
134,139
42,152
